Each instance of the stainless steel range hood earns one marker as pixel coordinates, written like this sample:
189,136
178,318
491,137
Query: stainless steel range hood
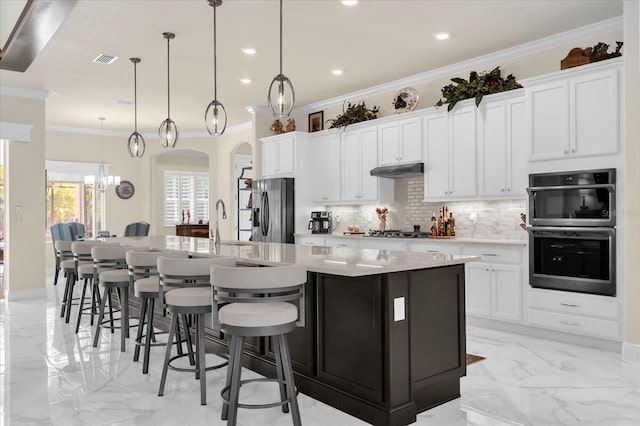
399,171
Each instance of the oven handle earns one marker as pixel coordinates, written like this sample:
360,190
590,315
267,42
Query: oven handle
610,231
608,186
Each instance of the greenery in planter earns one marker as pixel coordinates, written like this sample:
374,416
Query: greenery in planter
477,86
354,114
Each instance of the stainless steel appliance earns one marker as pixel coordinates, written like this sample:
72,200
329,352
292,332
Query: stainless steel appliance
572,234
273,210
320,222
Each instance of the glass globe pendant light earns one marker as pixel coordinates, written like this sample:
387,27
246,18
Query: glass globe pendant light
103,182
168,131
215,117
281,96
136,143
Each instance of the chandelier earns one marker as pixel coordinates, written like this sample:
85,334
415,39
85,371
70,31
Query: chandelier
103,181
168,131
135,144
281,99
215,117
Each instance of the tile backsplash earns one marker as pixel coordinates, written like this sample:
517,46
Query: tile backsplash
499,219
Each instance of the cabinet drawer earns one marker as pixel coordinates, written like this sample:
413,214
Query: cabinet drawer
570,304
493,254
575,324
435,247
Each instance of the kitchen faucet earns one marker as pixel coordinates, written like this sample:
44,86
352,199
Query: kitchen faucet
216,239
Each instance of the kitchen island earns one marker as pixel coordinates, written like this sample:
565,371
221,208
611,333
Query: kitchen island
385,331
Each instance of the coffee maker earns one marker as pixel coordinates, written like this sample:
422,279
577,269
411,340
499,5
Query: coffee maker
320,223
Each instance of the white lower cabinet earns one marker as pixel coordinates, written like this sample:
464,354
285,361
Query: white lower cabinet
309,241
341,242
494,290
586,314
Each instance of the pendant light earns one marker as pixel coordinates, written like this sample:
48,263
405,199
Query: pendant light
136,143
168,131
282,99
215,117
103,182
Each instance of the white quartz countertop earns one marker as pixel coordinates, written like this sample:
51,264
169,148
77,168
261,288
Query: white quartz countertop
344,261
517,242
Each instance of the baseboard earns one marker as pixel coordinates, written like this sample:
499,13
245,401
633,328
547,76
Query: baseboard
631,352
35,293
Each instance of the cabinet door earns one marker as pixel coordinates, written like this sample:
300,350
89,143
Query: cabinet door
318,169
389,143
351,166
493,154
332,169
286,155
594,107
507,286
369,160
436,151
517,174
548,120
269,158
462,141
478,288
410,140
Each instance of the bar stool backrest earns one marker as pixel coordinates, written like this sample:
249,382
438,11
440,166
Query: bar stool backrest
143,264
82,250
177,273
108,256
259,285
63,249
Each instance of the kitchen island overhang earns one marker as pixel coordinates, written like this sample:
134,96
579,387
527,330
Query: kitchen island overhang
385,331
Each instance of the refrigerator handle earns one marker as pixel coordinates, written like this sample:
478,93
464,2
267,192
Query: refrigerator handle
266,214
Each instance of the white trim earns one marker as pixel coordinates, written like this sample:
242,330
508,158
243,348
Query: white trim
630,352
24,93
15,131
557,40
186,135
35,293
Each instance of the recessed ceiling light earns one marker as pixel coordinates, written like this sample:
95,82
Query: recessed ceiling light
349,2
441,36
336,72
245,80
249,51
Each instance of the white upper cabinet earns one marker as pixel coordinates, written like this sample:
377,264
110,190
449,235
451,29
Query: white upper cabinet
502,146
359,156
279,155
575,113
400,141
325,166
450,153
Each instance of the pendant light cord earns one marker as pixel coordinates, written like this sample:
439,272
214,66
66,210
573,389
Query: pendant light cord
280,37
135,97
168,82
215,69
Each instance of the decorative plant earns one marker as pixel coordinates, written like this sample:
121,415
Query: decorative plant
354,114
477,86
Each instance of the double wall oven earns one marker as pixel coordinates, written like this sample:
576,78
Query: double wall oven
572,232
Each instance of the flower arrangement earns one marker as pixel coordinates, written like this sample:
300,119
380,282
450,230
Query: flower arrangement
354,114
382,215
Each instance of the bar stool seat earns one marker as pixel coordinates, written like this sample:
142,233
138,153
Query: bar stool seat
258,315
190,297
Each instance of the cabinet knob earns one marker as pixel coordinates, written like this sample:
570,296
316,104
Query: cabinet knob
566,151
573,150
502,190
571,323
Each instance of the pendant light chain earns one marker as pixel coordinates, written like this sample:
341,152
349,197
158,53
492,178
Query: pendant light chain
280,37
215,59
168,80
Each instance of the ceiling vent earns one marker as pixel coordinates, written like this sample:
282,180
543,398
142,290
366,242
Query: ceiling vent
105,59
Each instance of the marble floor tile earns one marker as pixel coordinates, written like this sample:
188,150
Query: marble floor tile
51,376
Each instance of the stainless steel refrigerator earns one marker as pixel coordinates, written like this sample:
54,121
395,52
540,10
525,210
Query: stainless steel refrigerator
272,212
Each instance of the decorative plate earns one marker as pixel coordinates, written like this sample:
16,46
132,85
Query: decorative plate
125,190
405,100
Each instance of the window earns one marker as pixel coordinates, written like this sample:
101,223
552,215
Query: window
69,200
188,193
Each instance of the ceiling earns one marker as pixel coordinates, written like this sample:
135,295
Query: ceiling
374,42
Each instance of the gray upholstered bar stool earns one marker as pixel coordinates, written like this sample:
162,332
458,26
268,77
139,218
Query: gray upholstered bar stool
84,268
194,298
110,269
258,305
68,266
143,275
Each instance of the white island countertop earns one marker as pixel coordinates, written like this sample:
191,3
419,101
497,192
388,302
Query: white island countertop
344,261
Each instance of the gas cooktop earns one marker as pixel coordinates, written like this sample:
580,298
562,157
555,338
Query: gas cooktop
396,233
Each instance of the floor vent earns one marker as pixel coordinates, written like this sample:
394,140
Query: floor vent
105,59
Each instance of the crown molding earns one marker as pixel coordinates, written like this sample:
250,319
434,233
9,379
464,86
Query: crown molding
24,93
148,136
557,40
